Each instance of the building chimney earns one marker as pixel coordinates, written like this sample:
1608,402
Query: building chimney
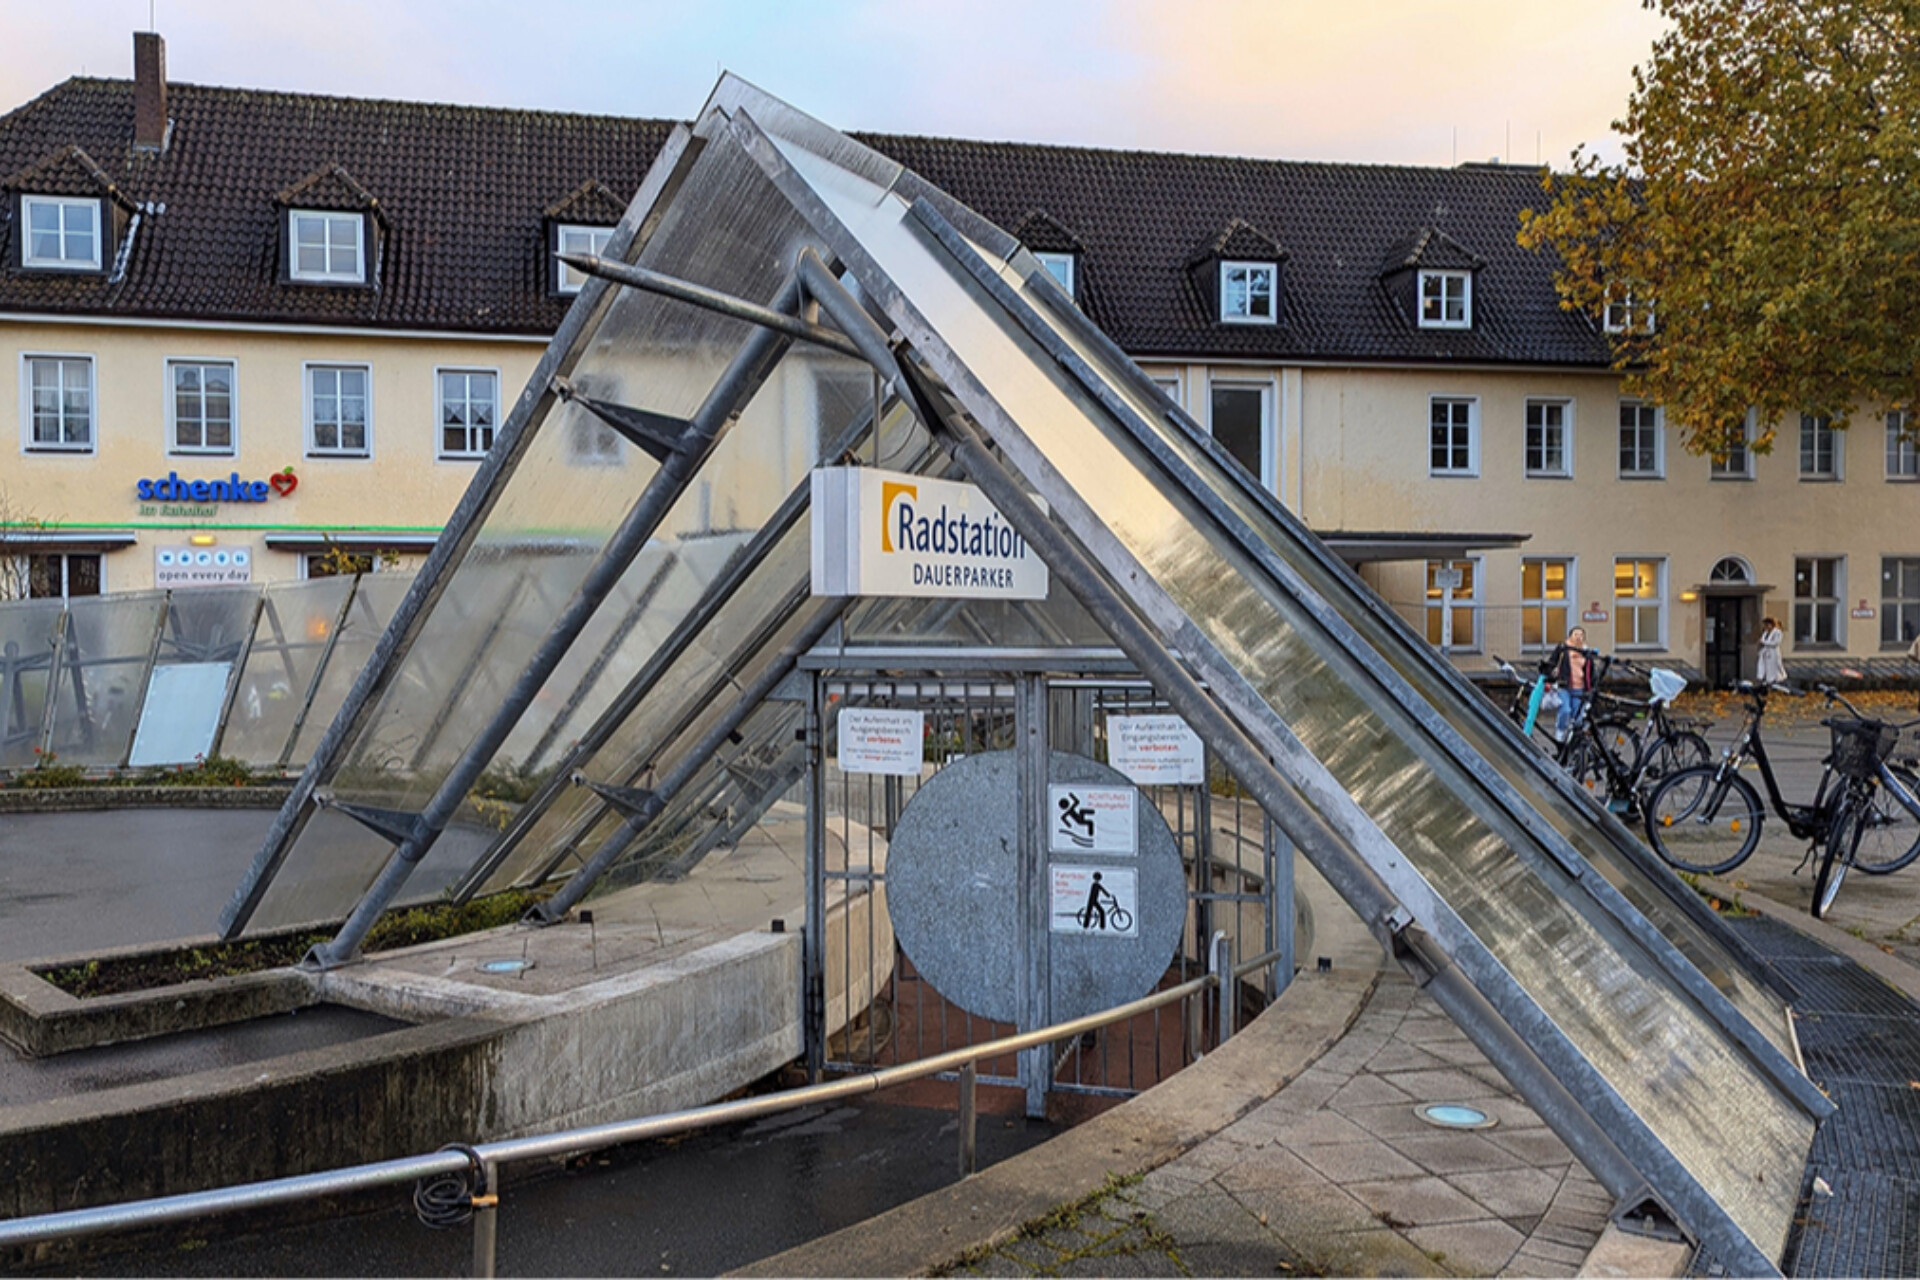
149,90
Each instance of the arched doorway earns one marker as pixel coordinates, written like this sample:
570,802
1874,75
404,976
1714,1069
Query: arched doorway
1730,622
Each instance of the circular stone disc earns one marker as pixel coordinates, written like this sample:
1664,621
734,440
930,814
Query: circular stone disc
952,892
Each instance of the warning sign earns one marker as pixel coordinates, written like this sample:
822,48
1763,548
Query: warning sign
1101,901
882,740
1091,819
1155,750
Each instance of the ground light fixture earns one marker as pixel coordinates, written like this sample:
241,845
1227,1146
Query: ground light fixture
1454,1115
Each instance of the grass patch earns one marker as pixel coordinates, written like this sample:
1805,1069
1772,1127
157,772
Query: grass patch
404,928
211,771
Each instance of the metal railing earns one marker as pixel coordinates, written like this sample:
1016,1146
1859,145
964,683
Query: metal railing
481,1164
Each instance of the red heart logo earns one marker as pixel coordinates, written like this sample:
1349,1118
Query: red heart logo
283,482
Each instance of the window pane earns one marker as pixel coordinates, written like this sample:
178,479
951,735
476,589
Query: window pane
1239,424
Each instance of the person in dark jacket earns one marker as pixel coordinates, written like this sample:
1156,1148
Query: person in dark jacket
1571,668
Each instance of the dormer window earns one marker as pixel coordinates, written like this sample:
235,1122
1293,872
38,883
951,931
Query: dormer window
1626,315
62,234
1060,267
573,238
1247,292
328,248
1446,300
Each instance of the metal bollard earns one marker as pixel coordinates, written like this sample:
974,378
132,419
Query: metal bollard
486,1201
1220,964
969,1151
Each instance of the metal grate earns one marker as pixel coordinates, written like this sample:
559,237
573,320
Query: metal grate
1861,1042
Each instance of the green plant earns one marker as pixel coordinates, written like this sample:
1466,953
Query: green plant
46,773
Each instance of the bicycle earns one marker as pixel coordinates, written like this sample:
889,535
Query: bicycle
1672,744
1615,732
1603,752
1708,819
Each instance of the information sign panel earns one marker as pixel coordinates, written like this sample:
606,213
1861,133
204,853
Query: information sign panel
882,740
1156,750
1101,902
1091,819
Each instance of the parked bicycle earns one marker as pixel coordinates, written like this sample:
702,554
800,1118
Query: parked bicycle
1708,819
1603,751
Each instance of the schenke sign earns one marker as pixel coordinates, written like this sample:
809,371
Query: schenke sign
200,497
882,533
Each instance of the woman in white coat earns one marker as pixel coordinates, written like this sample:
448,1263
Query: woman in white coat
1770,670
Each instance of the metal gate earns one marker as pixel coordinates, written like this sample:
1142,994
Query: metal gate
1238,867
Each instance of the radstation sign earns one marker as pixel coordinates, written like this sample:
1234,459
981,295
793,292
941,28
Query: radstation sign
883,533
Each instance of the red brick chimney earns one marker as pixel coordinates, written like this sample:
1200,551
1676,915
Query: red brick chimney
149,90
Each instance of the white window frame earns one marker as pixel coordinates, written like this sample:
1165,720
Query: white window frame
1437,604
307,370
440,450
1820,424
1061,266
1739,460
174,447
1269,441
34,262
1549,635
1625,315
1451,472
1838,602
1903,447
1565,405
66,559
1659,471
1892,607
1270,271
1639,604
1444,296
1174,384
567,280
330,220
27,443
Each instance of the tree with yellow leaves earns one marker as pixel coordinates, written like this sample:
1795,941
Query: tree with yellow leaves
1759,248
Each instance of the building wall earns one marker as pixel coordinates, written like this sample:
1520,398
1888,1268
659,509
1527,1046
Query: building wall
1351,452
403,487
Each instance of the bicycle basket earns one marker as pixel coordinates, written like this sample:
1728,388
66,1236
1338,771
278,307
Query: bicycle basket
1665,685
1860,745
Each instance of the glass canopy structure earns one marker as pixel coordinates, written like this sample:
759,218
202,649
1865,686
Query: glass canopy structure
611,625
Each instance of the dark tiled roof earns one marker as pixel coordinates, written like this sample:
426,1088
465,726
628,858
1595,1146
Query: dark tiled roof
69,171
1432,249
466,194
462,191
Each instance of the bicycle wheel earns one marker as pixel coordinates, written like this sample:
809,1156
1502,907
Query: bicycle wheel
1843,838
1670,754
1890,837
1585,761
1619,739
1702,821
1120,919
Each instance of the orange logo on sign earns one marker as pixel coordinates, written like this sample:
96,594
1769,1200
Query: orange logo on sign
889,490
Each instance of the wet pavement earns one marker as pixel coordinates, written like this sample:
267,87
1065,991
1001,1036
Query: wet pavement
696,1206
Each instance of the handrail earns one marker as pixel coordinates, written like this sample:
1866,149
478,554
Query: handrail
105,1219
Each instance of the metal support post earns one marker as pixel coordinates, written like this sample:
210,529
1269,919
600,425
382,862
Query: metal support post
743,376
1030,881
1281,909
53,681
234,675
696,757
486,1203
319,673
813,940
1220,964
969,1119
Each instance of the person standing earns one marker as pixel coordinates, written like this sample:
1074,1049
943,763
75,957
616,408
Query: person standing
1769,669
1570,667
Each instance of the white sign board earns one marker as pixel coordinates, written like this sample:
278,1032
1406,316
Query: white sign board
1085,819
1447,579
1155,750
201,566
883,533
1097,901
880,740
182,713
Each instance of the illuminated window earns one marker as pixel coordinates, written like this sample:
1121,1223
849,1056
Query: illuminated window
1546,602
1639,604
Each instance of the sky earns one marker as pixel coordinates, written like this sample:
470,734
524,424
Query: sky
1424,82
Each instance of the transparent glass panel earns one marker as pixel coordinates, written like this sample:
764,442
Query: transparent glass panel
26,661
728,230
1637,1029
103,665
375,598
292,635
207,624
182,712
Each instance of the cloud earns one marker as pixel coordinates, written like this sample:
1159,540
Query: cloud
1379,80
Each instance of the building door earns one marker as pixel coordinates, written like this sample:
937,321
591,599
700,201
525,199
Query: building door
1725,616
